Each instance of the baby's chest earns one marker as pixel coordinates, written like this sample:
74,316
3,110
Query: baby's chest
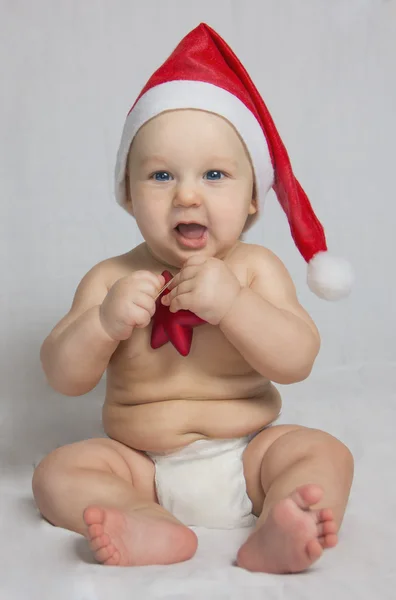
210,353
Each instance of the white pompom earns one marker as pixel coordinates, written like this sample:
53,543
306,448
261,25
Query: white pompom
329,277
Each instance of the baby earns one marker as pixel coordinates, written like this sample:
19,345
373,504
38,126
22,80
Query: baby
190,401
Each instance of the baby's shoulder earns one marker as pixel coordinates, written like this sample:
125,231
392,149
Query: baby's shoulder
259,260
254,251
111,269
96,283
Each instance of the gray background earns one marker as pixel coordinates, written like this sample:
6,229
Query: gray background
69,72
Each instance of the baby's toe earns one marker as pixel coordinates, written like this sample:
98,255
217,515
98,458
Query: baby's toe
307,495
314,549
113,560
99,542
326,527
93,515
103,554
325,514
328,541
95,531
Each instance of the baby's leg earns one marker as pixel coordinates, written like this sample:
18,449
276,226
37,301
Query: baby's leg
305,478
105,491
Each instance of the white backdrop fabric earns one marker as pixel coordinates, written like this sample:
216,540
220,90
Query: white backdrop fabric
69,72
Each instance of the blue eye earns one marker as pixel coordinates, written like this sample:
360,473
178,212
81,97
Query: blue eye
161,176
214,175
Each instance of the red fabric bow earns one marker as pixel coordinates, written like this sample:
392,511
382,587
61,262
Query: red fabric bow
176,328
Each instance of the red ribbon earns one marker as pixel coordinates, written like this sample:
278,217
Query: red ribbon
176,328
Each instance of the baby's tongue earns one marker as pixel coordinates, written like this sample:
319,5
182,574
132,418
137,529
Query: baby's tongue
192,231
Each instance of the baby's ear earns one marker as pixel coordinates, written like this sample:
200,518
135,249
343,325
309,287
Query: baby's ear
128,199
254,194
254,204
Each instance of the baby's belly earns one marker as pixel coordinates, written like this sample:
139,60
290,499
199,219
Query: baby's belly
166,425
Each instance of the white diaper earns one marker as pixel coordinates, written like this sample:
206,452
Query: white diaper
203,484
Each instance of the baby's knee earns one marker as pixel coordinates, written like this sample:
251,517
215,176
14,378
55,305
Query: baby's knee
48,477
332,446
345,456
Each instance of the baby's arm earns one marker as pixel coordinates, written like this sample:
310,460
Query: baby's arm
77,351
268,325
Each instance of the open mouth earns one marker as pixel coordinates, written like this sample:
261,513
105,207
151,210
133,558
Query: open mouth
191,235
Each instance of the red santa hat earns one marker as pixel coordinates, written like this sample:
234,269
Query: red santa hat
204,73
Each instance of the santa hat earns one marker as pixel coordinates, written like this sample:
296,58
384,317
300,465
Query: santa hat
204,73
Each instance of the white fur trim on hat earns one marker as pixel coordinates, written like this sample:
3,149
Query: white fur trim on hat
199,95
329,277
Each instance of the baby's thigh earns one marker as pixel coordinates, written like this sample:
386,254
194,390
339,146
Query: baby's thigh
101,455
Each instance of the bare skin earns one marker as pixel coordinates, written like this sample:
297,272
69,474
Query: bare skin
298,479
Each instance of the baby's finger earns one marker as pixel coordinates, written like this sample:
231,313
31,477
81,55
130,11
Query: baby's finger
174,282
145,301
183,275
189,272
195,261
142,317
182,288
161,280
150,277
181,302
149,287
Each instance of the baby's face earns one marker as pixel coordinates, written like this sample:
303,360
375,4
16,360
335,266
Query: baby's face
190,185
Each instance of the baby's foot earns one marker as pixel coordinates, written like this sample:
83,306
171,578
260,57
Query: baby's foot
292,537
139,537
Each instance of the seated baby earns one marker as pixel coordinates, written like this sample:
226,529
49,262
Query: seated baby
194,327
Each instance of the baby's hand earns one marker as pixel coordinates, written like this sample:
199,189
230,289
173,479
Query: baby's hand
130,303
206,287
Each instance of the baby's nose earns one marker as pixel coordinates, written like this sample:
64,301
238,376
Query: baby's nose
187,195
